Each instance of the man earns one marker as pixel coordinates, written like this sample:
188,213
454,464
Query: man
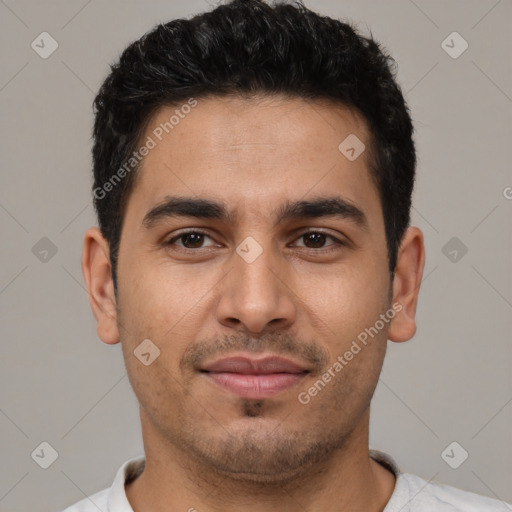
253,172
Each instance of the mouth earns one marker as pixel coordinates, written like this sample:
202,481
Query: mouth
248,377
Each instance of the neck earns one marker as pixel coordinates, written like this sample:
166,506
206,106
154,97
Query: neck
173,479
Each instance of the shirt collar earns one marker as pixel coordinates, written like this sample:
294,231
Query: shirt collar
117,500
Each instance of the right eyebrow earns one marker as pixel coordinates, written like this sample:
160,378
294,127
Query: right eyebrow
174,206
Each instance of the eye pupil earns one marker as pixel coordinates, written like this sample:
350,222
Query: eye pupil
318,239
198,239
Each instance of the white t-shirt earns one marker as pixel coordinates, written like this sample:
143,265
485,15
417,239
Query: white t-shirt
411,493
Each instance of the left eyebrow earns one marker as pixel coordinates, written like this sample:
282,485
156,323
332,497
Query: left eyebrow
323,207
201,208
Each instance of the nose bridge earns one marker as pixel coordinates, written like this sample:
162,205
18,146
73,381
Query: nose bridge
256,268
253,293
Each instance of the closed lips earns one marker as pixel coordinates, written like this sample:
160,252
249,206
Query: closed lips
247,366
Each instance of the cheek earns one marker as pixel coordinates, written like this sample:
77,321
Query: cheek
155,299
160,306
348,302
161,283
149,309
359,378
157,390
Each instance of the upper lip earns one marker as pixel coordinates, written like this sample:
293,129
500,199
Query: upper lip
249,365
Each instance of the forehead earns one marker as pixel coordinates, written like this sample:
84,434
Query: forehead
254,153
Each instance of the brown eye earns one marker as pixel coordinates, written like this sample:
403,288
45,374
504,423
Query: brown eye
189,239
317,239
192,240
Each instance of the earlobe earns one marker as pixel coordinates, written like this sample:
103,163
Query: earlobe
96,269
406,284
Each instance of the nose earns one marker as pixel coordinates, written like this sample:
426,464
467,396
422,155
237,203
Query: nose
256,296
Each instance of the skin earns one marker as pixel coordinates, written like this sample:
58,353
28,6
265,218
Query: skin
207,448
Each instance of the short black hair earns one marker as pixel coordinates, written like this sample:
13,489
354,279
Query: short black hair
245,48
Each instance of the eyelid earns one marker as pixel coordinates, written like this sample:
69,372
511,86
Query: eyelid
340,241
323,231
184,232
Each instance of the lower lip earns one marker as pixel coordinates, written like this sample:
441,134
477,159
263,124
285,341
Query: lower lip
256,386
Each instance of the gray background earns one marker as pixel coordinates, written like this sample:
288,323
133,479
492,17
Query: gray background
59,383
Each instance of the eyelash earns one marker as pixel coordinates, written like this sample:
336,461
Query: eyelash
329,248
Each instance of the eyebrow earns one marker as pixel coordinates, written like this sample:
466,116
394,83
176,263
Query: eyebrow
201,208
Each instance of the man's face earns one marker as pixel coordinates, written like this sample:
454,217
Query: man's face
302,288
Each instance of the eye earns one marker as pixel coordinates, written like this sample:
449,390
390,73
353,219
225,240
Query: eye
316,239
192,239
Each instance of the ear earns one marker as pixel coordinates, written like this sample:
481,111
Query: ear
406,284
97,272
